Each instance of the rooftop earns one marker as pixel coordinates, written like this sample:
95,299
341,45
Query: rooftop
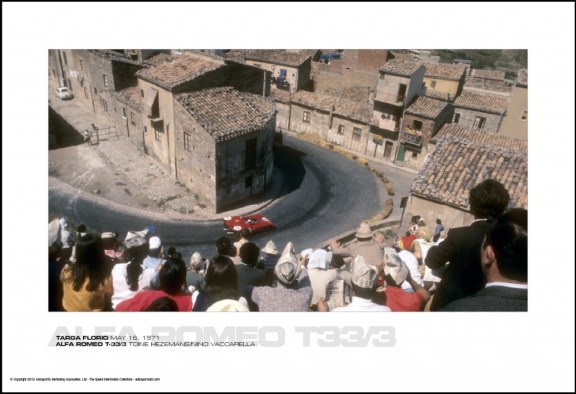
157,59
482,137
481,102
348,103
444,71
113,55
488,74
274,56
226,113
130,96
179,69
427,107
400,67
460,162
488,85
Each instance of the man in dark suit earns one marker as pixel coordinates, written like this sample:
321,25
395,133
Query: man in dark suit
461,248
505,265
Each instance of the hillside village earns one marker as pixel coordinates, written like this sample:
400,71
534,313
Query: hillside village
212,117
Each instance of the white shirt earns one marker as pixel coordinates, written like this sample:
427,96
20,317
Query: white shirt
412,263
122,289
362,305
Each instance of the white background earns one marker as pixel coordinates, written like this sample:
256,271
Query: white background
531,351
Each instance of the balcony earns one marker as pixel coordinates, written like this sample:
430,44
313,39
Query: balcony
412,137
386,121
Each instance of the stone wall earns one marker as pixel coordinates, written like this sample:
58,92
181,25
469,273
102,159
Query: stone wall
467,117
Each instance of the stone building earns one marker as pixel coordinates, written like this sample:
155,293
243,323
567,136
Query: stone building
223,143
400,82
444,81
422,120
515,122
480,111
463,158
290,70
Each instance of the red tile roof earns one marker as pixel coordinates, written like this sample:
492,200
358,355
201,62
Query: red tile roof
444,71
481,102
226,113
272,56
488,74
427,107
178,70
400,67
131,97
463,158
357,109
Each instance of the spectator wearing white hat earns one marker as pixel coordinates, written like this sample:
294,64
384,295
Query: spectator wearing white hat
292,293
268,261
364,246
364,285
195,279
154,258
395,273
66,239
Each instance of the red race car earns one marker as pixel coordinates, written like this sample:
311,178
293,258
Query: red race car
254,223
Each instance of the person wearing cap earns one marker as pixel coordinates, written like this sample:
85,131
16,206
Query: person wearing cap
396,273
364,285
504,256
461,247
132,277
268,261
364,246
195,279
154,258
292,293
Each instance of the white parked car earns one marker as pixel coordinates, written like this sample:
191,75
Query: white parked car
64,93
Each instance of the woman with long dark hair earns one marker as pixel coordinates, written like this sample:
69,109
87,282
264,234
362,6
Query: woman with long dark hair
132,277
87,284
221,284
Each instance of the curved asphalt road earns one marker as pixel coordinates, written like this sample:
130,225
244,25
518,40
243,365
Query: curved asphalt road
323,195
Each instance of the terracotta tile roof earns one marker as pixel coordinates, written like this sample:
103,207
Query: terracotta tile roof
481,102
427,107
445,71
458,164
488,74
179,69
403,56
273,56
437,94
131,97
226,113
357,93
157,59
489,85
482,137
360,110
400,67
280,95
112,55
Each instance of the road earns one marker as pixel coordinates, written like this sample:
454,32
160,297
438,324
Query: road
323,195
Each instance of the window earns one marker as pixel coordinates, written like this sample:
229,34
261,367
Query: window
81,65
306,117
456,118
401,92
248,182
341,129
141,92
85,92
356,134
433,84
132,118
524,115
145,129
95,91
414,154
105,78
187,142
65,58
124,112
105,105
417,125
479,122
157,134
